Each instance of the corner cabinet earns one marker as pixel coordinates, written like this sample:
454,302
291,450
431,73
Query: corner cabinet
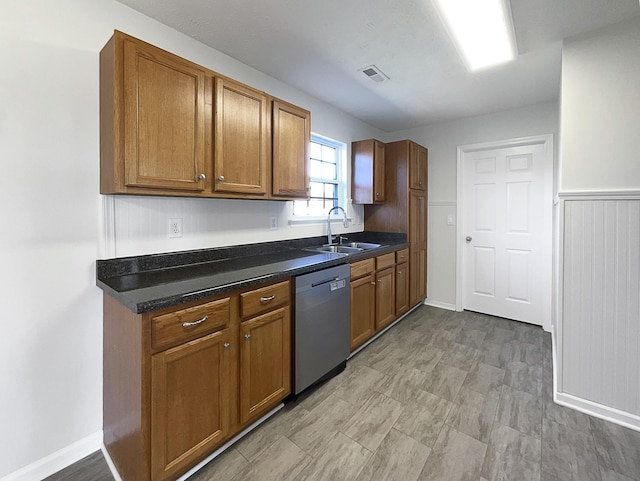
169,126
181,381
405,209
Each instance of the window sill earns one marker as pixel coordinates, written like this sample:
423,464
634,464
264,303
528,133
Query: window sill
316,220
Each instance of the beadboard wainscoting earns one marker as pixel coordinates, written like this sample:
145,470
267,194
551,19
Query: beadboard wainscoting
137,225
598,348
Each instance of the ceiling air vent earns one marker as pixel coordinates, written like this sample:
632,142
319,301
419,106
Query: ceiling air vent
374,73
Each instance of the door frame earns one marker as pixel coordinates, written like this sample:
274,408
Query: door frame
546,141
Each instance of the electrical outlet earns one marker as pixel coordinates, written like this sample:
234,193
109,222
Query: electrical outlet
175,227
450,220
273,223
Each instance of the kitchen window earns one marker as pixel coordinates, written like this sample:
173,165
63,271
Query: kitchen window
326,172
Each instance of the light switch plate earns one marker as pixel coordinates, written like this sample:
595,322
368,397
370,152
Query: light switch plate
451,220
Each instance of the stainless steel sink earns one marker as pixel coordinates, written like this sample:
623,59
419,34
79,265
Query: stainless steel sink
362,245
342,249
346,248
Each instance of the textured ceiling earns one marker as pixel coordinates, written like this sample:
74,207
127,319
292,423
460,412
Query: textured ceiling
319,47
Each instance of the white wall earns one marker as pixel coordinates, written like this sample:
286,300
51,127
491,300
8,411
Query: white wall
598,349
51,343
601,110
442,141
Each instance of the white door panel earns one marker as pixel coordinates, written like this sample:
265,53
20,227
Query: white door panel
506,199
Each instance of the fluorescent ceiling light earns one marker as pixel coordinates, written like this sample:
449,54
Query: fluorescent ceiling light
481,29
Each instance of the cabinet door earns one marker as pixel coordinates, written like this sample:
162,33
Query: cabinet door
190,400
363,310
402,288
265,363
368,171
417,218
417,275
417,167
242,143
291,138
378,171
418,249
163,120
385,297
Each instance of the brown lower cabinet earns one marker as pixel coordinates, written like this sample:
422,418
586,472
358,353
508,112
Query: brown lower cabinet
265,367
190,401
363,307
179,382
379,294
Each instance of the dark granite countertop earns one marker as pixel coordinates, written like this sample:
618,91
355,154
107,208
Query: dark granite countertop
150,282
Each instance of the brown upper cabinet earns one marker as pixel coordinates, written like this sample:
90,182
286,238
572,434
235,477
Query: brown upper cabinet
291,138
152,119
368,171
241,140
171,127
417,167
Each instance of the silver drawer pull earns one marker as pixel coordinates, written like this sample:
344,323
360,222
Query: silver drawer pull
226,345
264,300
247,336
195,323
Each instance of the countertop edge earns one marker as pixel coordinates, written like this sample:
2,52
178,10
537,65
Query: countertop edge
139,302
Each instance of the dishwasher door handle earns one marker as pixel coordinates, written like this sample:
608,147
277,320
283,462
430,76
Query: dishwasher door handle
326,281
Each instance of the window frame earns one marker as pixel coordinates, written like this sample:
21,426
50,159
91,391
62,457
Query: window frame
340,181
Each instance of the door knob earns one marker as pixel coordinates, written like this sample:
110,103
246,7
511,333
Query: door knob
202,177
468,238
221,178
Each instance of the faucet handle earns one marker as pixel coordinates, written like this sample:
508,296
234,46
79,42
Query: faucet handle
342,238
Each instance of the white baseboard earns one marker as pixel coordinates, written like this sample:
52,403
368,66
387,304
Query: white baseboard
441,305
59,460
601,411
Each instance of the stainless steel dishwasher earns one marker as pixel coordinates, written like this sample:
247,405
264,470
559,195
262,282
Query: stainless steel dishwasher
321,325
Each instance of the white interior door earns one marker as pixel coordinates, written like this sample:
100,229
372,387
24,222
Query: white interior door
507,231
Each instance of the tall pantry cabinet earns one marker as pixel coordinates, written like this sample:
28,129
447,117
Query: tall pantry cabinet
405,208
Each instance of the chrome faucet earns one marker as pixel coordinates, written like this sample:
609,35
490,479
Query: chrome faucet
345,222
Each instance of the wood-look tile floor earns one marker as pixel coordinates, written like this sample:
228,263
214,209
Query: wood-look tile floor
442,396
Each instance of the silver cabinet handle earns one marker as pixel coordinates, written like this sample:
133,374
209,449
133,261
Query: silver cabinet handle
468,238
202,177
226,345
264,300
195,323
221,178
247,336
373,283
377,194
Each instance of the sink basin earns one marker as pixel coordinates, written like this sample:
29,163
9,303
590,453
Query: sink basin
362,245
342,249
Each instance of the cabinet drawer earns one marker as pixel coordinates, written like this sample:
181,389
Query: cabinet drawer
402,256
362,268
385,260
264,299
186,324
